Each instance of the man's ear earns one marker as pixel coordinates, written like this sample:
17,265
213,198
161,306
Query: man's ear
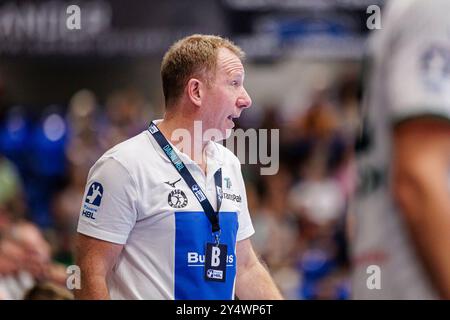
195,91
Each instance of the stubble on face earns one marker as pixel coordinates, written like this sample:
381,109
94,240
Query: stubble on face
222,102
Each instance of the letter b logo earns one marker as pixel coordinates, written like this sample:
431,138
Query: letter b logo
215,257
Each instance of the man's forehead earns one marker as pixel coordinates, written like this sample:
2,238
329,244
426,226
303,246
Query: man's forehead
228,61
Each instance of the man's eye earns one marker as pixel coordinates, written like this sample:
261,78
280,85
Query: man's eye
235,83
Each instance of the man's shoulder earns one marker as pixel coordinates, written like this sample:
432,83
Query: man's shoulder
131,151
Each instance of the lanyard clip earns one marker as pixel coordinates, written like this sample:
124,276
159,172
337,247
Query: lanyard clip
216,236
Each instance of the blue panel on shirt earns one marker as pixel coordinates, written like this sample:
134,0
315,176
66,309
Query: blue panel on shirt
193,231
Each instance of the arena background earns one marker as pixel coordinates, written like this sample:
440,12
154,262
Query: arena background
66,96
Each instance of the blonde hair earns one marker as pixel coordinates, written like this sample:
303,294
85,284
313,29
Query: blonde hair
192,56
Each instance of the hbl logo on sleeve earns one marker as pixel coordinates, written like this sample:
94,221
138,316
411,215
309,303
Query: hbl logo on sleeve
93,200
215,262
95,193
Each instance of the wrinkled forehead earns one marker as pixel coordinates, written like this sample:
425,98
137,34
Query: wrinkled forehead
229,62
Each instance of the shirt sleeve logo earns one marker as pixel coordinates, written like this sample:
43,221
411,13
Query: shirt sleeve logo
95,193
435,64
92,202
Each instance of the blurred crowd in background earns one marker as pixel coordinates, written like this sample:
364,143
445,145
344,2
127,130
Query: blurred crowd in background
299,214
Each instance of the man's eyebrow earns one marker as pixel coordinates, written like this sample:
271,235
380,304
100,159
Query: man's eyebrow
237,73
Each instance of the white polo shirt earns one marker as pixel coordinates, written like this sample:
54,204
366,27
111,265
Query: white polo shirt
134,196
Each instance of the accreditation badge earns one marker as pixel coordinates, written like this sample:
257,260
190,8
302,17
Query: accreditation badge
215,262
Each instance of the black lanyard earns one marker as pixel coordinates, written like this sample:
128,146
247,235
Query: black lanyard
212,215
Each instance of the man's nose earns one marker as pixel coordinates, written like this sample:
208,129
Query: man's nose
244,100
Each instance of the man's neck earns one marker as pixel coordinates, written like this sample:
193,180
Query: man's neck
181,133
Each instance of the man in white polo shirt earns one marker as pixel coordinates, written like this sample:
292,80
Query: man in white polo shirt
156,221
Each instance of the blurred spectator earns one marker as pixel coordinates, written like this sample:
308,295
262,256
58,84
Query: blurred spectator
82,150
84,121
66,209
12,204
24,259
48,291
127,115
275,239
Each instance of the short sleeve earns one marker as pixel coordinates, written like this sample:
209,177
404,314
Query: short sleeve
245,223
418,67
108,211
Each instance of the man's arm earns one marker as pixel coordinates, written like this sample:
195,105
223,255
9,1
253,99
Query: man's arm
95,258
252,279
421,166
